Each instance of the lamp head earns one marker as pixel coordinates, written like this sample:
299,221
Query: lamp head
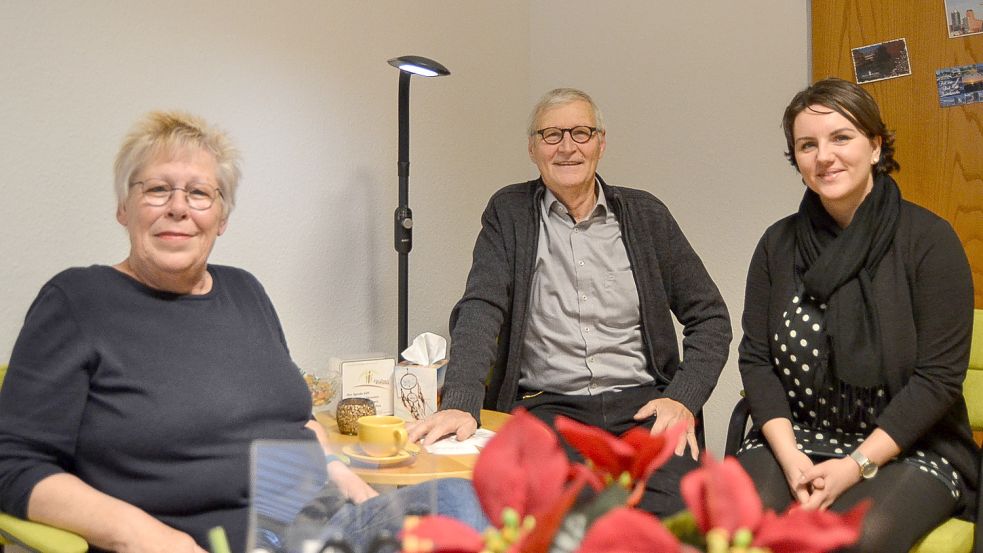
419,65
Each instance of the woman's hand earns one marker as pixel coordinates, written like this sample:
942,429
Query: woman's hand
354,488
349,483
829,480
781,438
146,534
796,464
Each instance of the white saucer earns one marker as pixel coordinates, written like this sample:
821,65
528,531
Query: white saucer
357,454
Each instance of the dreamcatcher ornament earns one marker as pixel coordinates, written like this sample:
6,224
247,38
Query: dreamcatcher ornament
411,395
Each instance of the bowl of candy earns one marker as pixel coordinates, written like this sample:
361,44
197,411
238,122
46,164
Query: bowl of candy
323,391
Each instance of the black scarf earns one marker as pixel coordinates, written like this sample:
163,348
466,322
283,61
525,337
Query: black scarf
837,267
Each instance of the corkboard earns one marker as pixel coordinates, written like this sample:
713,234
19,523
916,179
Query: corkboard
940,149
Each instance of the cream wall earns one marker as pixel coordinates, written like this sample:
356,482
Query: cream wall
692,96
305,90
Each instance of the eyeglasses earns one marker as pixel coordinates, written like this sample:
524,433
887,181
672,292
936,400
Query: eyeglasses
158,192
554,135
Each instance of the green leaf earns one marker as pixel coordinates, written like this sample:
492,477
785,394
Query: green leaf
683,526
610,497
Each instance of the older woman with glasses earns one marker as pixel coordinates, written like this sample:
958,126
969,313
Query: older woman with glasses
135,390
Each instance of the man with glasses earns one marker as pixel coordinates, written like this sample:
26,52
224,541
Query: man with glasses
570,301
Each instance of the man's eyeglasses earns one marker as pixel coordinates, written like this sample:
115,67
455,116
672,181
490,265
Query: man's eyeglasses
158,192
554,135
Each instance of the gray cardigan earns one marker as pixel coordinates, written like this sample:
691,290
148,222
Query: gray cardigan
488,323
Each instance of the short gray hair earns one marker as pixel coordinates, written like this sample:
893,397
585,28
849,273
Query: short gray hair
560,97
174,131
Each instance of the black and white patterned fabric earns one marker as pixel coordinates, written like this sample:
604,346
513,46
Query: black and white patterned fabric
820,427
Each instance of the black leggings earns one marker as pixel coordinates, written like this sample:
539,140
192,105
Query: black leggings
907,502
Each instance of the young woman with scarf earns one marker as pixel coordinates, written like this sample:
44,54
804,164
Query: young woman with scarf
857,327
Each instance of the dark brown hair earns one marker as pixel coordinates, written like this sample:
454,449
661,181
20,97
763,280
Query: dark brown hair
850,101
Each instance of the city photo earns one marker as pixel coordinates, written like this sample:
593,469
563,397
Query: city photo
964,17
960,85
885,60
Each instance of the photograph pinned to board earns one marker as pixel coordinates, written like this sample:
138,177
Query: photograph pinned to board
960,85
884,60
963,17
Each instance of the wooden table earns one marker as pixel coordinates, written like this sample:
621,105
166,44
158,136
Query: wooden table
426,466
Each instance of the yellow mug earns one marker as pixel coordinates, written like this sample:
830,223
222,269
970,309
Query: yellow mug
381,435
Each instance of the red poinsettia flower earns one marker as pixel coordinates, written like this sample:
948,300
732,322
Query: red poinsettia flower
439,533
626,530
607,452
721,495
541,537
522,472
637,453
522,468
812,531
651,452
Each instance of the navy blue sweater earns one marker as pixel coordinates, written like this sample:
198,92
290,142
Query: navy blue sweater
150,397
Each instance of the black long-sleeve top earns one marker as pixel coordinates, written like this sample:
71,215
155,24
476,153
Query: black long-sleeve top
924,293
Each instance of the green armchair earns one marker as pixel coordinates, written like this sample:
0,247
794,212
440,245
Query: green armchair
38,537
955,535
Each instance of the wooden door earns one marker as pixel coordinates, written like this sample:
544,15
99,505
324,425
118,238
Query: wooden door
940,149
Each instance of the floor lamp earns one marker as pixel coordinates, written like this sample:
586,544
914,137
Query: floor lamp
403,217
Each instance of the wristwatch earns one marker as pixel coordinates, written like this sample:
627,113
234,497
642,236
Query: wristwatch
867,467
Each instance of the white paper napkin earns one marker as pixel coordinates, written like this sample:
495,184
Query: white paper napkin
426,349
451,445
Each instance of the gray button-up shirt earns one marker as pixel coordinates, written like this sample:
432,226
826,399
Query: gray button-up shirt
584,331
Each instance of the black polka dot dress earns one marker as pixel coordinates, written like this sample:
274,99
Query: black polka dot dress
822,429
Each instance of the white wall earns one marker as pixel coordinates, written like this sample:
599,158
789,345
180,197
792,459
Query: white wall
305,90
692,94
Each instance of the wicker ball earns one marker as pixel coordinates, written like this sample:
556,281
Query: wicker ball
349,411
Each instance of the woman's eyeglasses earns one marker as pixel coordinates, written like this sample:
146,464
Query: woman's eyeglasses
158,192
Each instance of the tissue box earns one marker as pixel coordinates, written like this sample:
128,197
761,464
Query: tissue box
368,377
417,389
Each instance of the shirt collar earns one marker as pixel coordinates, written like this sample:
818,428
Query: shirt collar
552,205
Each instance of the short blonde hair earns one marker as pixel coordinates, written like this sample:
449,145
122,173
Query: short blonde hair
169,132
562,97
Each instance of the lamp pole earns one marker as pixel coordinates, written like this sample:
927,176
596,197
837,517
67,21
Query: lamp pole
403,216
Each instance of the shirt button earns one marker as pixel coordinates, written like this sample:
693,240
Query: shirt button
583,298
586,329
581,263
